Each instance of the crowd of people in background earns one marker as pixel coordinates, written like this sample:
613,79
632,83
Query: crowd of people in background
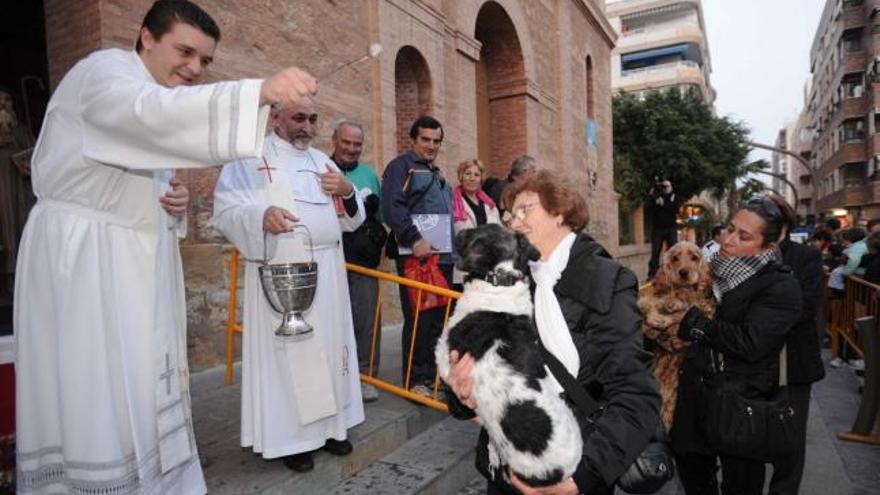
121,358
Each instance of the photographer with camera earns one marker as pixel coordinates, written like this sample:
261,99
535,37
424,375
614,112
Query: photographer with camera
663,210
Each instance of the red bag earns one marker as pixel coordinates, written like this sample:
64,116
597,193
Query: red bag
426,270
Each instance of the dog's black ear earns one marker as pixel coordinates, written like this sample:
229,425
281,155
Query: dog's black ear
462,239
526,248
525,252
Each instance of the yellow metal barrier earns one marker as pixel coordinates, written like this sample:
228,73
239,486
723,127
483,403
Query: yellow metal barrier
232,327
860,298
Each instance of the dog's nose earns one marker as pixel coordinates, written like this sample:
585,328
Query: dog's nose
683,273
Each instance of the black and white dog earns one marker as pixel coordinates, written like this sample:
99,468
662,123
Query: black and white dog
531,428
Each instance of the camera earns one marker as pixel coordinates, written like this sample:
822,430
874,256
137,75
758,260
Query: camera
658,182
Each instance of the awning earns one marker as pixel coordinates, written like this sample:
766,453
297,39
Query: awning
680,49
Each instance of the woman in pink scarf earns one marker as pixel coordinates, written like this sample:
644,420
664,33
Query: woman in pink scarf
470,205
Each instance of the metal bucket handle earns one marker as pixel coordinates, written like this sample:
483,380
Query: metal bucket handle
265,259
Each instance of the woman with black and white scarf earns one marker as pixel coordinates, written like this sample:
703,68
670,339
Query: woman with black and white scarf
759,302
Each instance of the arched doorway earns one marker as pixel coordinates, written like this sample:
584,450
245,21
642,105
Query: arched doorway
500,91
412,92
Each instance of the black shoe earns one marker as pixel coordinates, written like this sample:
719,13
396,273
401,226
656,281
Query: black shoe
337,447
299,462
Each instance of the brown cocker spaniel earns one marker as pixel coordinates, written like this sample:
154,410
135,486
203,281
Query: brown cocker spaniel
683,280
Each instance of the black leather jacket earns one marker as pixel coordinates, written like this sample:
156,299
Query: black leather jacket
804,357
598,299
749,328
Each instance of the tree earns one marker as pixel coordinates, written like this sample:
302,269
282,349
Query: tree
749,186
673,135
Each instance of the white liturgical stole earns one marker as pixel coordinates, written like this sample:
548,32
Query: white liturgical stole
306,359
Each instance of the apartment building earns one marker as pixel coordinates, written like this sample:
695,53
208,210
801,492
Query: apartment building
842,113
661,44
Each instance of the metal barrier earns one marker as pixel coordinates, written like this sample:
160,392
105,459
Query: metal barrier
860,298
233,327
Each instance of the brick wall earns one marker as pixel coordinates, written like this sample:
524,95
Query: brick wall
73,30
535,55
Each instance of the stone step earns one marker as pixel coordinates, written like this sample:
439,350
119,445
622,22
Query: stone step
228,468
438,461
476,486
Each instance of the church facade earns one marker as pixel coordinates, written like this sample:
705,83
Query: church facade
505,77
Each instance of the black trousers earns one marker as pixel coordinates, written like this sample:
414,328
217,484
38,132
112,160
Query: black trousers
787,471
363,291
424,366
699,475
659,235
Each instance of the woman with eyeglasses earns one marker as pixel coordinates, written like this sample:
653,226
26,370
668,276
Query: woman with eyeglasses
470,205
586,316
759,302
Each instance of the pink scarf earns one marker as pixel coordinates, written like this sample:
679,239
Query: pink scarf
459,214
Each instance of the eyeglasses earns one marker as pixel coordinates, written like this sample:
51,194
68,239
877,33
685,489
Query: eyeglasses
764,207
520,212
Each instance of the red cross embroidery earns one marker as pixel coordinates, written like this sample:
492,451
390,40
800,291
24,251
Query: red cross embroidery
267,168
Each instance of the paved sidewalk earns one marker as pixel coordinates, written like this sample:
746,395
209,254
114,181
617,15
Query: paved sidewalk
833,467
838,399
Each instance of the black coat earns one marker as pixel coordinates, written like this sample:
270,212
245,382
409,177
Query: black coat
749,328
804,357
598,300
664,216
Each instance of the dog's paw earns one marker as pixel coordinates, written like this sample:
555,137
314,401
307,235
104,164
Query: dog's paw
660,321
672,305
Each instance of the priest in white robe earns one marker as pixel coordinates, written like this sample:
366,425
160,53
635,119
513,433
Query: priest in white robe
301,395
102,401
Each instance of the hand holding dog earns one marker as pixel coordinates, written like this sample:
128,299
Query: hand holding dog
564,487
693,326
461,378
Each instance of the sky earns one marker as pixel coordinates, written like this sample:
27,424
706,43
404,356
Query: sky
760,53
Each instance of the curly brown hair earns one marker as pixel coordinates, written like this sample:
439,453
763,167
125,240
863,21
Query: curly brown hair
557,197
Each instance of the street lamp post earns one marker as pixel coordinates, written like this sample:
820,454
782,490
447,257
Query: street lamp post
787,182
814,174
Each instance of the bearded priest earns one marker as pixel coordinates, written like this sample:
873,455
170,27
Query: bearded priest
297,395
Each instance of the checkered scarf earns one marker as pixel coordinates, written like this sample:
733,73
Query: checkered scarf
729,273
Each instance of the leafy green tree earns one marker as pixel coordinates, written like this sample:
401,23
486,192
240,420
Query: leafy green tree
673,135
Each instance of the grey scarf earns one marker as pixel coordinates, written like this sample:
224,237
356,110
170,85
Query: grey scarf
729,273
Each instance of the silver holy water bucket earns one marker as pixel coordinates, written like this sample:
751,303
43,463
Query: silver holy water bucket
290,290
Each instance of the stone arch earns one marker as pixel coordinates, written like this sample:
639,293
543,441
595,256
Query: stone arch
501,90
514,11
412,92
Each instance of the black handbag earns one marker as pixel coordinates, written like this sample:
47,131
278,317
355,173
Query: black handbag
652,468
759,428
368,241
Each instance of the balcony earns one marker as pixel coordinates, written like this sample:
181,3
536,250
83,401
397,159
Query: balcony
851,196
849,152
659,35
621,9
854,107
855,61
656,76
853,17
875,143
